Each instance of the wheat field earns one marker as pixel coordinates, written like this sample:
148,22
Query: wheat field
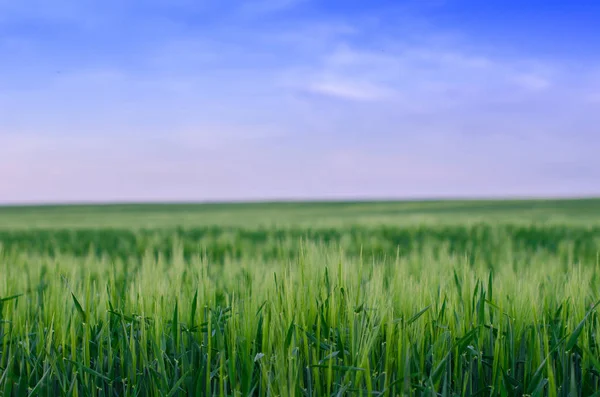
438,298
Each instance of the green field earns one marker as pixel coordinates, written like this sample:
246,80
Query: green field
432,298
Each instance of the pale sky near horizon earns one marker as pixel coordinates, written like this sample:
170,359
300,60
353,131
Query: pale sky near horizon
289,99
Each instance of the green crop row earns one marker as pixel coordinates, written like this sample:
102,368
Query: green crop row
493,244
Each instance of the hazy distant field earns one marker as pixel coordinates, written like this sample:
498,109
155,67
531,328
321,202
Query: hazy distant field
583,211
301,299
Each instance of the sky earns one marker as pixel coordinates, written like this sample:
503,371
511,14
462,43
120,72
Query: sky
210,100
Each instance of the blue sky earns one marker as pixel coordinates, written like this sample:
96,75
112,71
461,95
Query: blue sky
266,99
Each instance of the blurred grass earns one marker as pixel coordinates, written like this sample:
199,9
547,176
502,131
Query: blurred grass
306,214
492,243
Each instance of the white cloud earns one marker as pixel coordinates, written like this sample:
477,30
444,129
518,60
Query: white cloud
350,90
259,7
532,82
433,76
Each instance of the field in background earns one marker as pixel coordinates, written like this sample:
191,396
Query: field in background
307,214
301,299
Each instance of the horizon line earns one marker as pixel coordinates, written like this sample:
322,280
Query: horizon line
341,200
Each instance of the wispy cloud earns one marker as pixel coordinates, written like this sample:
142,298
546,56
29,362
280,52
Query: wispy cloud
262,7
440,75
532,81
350,90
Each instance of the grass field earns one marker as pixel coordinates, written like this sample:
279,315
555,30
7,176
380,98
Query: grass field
438,298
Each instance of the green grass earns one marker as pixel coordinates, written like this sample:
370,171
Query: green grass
301,299
306,214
